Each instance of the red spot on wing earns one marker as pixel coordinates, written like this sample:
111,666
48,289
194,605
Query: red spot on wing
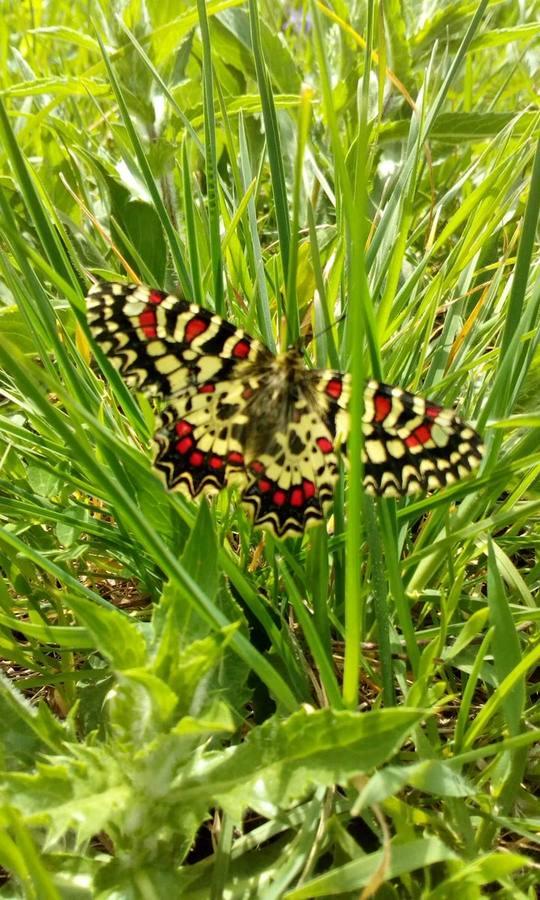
148,323
383,405
279,497
156,297
184,445
196,459
297,497
241,349
216,462
309,489
412,441
247,393
433,411
182,428
423,433
264,485
257,467
235,458
207,388
324,445
194,327
334,388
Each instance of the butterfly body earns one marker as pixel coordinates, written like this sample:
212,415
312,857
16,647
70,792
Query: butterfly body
236,413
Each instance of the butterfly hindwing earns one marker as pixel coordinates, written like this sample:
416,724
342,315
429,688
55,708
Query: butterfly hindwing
412,444
198,444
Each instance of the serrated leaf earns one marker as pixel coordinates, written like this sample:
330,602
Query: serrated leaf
282,760
37,720
496,36
140,706
59,87
86,793
454,128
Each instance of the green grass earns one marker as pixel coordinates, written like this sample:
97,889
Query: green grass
188,712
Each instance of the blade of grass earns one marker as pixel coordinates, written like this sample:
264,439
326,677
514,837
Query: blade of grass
302,131
273,141
146,172
41,217
324,337
211,160
355,207
506,658
262,301
189,212
314,642
400,187
510,683
380,594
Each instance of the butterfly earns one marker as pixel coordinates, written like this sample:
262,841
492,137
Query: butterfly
235,412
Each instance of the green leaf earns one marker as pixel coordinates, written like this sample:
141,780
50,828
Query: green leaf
33,720
14,327
497,36
20,856
139,707
432,775
281,65
486,869
201,552
117,636
281,761
454,128
87,794
187,669
506,650
43,482
140,223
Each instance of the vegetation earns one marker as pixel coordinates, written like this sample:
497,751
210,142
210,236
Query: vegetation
188,711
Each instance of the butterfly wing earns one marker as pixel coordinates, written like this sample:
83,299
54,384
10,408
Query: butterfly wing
199,439
291,482
198,361
163,344
412,444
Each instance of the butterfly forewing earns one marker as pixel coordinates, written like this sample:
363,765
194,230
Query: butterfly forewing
163,344
235,412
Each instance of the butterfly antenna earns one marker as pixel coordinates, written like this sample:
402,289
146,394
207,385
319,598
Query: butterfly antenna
328,327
